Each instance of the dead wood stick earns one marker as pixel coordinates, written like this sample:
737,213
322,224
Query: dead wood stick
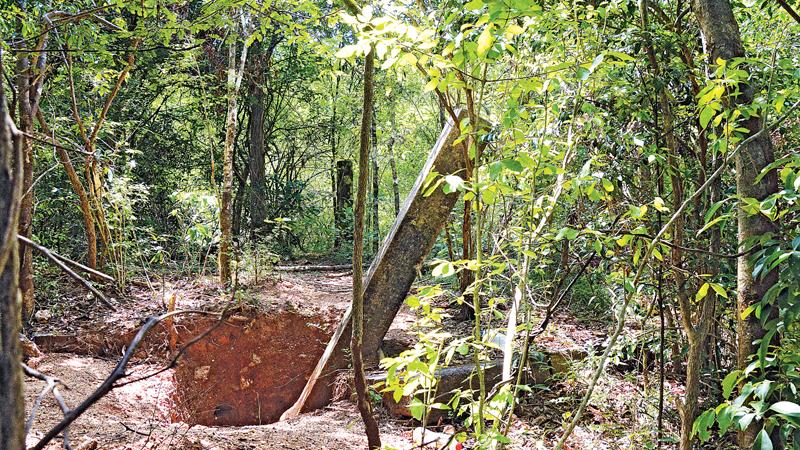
72,263
119,372
68,271
294,411
339,275
314,268
52,386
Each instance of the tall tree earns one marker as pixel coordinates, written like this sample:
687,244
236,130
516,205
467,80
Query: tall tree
356,342
258,207
723,41
12,419
235,74
357,308
376,227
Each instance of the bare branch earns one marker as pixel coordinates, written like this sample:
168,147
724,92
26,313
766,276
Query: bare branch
61,265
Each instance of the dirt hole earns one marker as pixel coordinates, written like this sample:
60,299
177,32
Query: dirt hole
249,370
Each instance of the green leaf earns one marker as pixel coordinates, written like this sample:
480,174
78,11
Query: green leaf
713,222
452,184
762,441
417,409
485,41
443,269
638,212
702,424
512,165
658,204
657,254
702,292
608,185
346,51
787,409
729,382
719,290
408,59
706,115
724,418
596,62
431,85
474,5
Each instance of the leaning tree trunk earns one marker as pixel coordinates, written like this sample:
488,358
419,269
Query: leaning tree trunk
723,40
12,424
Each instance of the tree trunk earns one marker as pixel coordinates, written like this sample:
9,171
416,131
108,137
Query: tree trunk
395,184
226,208
258,197
722,40
334,169
12,423
344,202
77,186
376,227
356,343
26,202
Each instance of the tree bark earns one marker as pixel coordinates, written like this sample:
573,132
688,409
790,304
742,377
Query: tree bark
258,197
12,423
395,184
344,203
356,342
722,40
26,114
376,228
334,166
226,207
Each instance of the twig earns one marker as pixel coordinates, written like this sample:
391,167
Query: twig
52,386
69,271
135,431
789,10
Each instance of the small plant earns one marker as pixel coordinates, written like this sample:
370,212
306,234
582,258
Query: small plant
197,213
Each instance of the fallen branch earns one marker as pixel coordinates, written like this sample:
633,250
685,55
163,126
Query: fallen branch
68,271
314,268
52,386
72,263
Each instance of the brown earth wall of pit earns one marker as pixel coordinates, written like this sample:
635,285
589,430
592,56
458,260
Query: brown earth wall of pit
249,370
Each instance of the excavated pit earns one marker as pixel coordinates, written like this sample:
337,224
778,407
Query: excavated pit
248,370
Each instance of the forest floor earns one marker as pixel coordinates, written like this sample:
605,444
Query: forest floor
83,341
